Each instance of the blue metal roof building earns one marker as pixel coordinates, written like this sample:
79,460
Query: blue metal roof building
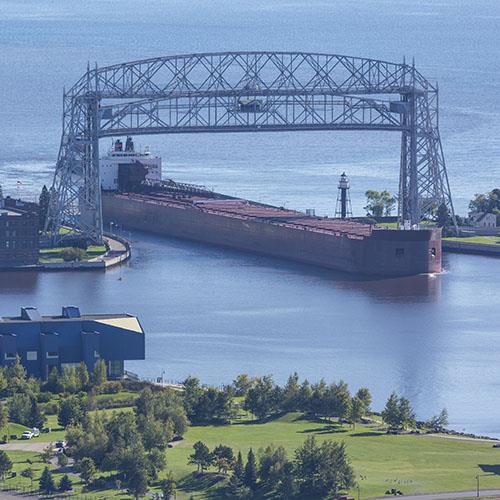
45,342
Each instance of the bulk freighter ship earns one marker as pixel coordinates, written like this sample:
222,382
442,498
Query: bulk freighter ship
194,213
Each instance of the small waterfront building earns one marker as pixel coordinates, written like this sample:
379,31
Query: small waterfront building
483,220
45,342
19,240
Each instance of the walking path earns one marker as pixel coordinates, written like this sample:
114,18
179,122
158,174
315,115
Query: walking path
446,496
22,445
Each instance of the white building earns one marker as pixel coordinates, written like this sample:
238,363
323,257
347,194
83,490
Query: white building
109,164
483,220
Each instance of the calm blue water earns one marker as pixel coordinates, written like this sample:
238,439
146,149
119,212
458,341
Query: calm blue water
216,313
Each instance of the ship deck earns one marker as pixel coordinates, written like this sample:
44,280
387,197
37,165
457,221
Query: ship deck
249,210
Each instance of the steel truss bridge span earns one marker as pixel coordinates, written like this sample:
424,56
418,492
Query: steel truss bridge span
246,92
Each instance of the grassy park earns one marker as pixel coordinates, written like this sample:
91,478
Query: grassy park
138,437
61,254
412,463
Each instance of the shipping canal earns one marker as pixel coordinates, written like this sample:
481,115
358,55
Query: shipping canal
216,313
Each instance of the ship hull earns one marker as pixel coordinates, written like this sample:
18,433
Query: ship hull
382,253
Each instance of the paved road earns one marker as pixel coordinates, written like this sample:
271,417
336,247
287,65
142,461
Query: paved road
23,445
446,496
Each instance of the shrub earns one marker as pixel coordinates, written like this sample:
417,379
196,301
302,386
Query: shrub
72,253
44,397
111,387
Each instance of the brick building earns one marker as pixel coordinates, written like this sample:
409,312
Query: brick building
19,239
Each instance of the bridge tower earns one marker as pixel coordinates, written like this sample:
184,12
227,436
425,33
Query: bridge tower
343,208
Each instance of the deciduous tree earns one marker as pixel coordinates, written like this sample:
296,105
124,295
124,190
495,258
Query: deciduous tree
72,411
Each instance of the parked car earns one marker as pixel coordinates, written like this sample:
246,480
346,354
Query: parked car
36,432
27,435
60,444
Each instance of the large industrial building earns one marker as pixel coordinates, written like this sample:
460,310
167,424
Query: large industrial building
19,241
45,342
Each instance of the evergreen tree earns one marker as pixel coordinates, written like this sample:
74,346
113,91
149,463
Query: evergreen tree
342,400
16,377
398,413
242,384
201,456
305,397
364,395
68,380
137,483
52,383
250,477
406,414
86,468
5,464
4,416
443,217
65,484
20,408
271,465
287,488
43,201
47,484
391,414
99,373
357,410
37,416
82,376
291,394
238,468
223,458
323,470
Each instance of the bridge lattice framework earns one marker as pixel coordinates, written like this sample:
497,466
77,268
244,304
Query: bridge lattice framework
246,92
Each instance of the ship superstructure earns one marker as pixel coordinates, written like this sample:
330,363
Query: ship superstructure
124,163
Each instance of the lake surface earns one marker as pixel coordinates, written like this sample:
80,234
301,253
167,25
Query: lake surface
216,313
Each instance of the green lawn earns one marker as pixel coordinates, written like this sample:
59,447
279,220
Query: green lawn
412,463
482,240
415,464
117,396
388,225
55,434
